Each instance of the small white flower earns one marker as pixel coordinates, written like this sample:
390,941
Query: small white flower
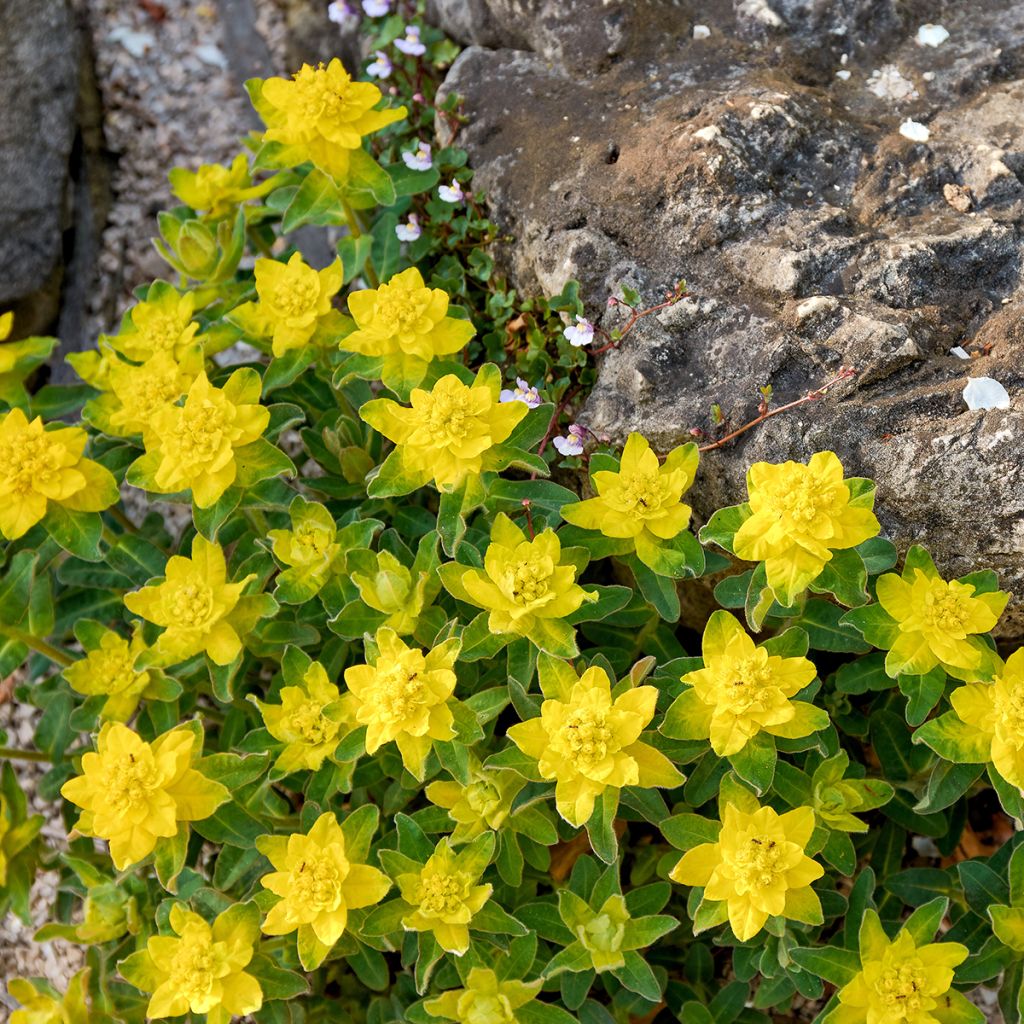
340,11
376,8
411,44
419,159
986,393
451,193
381,67
915,131
410,230
931,35
580,333
522,392
572,442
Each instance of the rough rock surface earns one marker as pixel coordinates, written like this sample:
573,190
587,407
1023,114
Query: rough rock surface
763,162
38,84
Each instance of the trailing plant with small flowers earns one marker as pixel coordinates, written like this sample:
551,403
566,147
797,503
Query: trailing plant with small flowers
354,714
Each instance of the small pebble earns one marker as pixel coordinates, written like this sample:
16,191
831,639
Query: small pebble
915,131
931,35
701,32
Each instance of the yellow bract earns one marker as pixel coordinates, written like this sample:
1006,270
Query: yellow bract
937,622
995,713
741,691
443,896
321,115
448,432
308,721
109,670
197,607
39,466
407,324
642,497
587,742
317,882
161,323
484,1000
485,802
6,326
899,981
404,697
214,188
192,447
800,514
133,793
39,1007
757,867
201,968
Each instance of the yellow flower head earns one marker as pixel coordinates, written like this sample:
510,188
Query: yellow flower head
200,969
742,690
310,545
485,802
642,501
214,188
901,982
524,584
393,589
38,466
308,721
601,932
757,867
108,669
484,1000
133,793
161,323
198,608
444,895
587,741
319,881
40,1007
18,359
294,300
799,515
193,446
449,433
407,324
994,713
937,623
404,697
320,114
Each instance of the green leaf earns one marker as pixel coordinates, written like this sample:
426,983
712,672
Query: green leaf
844,576
316,202
983,887
755,763
685,831
924,922
659,591
354,253
600,826
76,532
681,557
638,977
922,693
722,526
367,176
828,630
831,963
410,182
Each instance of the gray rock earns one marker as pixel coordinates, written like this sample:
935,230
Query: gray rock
813,234
38,80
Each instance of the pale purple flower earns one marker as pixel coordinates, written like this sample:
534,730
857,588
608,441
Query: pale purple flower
376,8
411,44
381,67
451,193
572,442
522,392
340,11
419,159
580,333
410,230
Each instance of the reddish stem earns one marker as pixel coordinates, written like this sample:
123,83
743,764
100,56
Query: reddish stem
555,417
638,315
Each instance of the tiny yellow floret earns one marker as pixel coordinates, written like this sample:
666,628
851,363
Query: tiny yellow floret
484,1000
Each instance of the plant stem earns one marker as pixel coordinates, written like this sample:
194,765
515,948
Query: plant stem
15,754
356,230
123,520
55,654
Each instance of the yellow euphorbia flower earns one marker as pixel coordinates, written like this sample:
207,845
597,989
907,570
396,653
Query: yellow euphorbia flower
994,716
901,982
308,721
200,969
317,882
132,394
161,323
108,669
758,867
642,501
133,793
18,359
38,466
484,803
388,587
938,623
213,188
406,324
294,304
42,1008
799,515
484,1000
742,690
320,114
587,741
444,895
194,446
449,433
524,584
404,697
198,608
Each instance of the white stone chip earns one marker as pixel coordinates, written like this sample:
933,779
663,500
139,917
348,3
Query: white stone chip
701,32
915,131
986,393
959,352
931,35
